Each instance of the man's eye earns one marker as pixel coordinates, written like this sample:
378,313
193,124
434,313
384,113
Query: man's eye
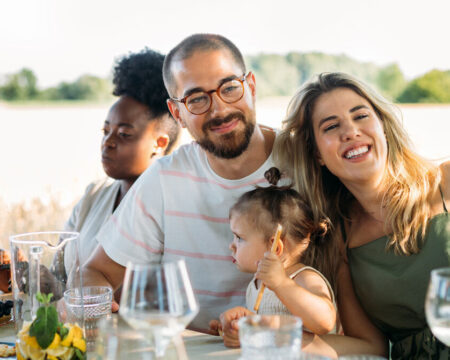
227,89
196,99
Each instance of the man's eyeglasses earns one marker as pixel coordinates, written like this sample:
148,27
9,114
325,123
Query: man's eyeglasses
200,102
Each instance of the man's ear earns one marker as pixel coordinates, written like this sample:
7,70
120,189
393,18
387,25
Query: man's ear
251,81
175,111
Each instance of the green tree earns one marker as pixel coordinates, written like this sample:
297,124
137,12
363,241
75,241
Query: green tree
20,86
390,81
433,87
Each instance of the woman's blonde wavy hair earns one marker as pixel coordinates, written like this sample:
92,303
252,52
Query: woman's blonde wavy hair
409,179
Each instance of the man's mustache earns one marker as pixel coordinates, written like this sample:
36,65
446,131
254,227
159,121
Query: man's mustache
219,121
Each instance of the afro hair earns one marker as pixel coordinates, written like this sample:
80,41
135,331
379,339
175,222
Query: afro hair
139,75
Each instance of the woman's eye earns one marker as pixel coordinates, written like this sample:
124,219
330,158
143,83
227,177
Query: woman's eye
330,127
124,135
105,131
361,116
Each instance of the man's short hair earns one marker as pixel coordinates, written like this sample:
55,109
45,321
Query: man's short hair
193,43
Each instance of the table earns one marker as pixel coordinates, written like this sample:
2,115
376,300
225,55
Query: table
198,346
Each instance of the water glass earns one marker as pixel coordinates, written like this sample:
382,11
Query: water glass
437,304
117,340
270,337
94,305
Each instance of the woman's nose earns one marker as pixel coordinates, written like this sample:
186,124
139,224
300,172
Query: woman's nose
108,141
232,247
349,130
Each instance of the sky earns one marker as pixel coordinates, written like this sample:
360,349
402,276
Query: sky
63,39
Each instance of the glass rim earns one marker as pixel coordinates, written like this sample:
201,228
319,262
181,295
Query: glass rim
74,293
442,271
295,321
24,238
152,264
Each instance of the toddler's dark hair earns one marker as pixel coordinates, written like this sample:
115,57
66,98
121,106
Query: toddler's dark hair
266,207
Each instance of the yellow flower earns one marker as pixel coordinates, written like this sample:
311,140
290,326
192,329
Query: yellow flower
51,357
69,337
80,344
55,342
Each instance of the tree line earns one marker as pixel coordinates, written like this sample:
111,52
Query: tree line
277,75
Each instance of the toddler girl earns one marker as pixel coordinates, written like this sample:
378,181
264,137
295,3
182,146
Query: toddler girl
294,284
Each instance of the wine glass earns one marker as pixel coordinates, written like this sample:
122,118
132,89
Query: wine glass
437,304
158,299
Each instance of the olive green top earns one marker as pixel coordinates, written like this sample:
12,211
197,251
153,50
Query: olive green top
391,288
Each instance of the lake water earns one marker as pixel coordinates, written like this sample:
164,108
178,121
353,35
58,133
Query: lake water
56,150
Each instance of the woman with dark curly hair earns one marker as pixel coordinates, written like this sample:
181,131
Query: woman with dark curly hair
138,129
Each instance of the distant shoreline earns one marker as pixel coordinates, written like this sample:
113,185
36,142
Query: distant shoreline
101,104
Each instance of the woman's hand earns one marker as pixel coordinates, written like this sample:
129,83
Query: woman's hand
271,271
230,327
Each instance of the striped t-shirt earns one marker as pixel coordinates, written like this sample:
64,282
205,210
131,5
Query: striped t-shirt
178,208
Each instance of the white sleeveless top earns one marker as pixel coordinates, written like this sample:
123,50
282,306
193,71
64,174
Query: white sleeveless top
270,304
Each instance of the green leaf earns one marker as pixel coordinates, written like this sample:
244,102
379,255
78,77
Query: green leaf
44,326
63,332
80,355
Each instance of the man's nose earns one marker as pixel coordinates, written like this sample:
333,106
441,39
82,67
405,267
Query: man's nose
218,106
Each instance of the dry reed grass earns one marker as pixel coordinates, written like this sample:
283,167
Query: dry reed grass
34,215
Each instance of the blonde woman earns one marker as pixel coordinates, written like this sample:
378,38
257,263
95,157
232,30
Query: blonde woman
348,154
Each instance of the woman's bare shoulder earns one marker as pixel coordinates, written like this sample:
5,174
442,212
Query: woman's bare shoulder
445,181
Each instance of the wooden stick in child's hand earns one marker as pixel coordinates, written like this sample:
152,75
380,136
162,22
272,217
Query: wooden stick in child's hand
272,250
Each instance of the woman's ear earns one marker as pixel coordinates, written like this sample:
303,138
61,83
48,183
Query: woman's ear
160,146
319,158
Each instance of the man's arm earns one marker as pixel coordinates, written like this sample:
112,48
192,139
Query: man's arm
101,270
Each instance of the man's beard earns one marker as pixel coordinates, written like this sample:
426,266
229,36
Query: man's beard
232,144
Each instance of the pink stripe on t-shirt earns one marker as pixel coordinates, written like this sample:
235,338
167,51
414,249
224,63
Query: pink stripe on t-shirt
219,293
210,181
196,216
198,255
132,239
141,205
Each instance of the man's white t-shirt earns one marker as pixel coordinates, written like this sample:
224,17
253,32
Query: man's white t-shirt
178,209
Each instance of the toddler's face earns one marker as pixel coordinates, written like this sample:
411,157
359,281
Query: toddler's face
249,245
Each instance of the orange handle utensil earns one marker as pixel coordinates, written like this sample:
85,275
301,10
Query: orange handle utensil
273,250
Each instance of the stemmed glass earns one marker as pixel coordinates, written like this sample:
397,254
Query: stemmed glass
158,300
437,304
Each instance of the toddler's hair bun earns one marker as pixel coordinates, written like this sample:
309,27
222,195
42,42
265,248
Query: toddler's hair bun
273,175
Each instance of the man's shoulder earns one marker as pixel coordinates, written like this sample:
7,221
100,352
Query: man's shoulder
186,156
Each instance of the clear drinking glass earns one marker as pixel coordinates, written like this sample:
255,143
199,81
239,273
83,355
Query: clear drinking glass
437,304
276,337
40,278
158,300
94,303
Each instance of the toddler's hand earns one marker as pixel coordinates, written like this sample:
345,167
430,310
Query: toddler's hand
230,328
215,328
271,271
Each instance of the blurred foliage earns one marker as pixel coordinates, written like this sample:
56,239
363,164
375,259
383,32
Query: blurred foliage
276,75
433,87
22,86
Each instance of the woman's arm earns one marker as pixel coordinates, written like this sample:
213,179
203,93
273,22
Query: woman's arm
307,297
356,324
